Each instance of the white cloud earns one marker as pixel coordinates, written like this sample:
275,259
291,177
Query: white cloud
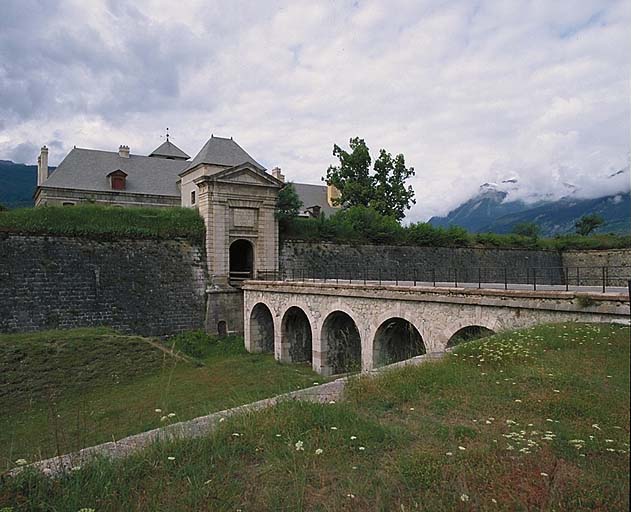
469,92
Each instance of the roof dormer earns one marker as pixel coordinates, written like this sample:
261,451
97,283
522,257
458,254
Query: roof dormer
118,179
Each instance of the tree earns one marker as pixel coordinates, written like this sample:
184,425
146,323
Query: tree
384,190
288,204
529,229
588,223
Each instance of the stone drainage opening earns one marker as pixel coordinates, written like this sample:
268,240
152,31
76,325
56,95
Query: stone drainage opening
262,328
469,333
296,335
342,342
396,340
241,261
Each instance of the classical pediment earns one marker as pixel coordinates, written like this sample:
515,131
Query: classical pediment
246,174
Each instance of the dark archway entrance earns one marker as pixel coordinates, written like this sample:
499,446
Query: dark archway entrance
262,328
469,333
396,340
296,335
343,343
241,261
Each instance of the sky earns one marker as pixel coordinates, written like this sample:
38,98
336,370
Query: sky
469,91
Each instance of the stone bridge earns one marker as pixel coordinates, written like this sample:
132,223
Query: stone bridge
349,327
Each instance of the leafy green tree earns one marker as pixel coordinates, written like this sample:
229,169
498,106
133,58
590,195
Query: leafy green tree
528,229
588,223
288,205
384,190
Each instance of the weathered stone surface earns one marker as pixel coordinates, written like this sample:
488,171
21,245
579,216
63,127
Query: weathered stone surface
389,262
142,286
436,313
590,265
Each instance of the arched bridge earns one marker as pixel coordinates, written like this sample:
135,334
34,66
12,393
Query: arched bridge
347,327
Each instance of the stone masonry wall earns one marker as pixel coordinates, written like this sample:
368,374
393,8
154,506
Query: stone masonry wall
407,262
146,287
590,265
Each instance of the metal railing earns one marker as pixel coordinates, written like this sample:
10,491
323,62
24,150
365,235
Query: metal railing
237,277
506,278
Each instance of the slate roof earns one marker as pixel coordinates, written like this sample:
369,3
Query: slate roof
169,150
314,195
221,151
87,169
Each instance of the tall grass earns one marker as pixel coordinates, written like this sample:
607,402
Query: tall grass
536,419
105,222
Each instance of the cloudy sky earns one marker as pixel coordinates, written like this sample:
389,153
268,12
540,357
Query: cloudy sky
469,91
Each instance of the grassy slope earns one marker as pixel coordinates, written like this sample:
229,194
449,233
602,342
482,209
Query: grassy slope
505,391
64,390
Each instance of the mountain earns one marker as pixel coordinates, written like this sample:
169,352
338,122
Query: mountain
490,211
17,184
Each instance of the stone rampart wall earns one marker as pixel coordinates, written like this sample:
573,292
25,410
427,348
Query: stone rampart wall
146,287
424,263
585,267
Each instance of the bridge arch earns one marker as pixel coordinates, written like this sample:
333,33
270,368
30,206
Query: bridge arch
262,328
396,339
468,333
341,343
296,336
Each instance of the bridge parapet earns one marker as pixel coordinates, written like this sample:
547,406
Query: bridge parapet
344,327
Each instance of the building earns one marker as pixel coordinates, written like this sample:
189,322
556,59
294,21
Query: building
166,177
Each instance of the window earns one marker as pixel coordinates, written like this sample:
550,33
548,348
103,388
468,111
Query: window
192,197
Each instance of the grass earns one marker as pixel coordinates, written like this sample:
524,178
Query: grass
105,222
64,390
536,419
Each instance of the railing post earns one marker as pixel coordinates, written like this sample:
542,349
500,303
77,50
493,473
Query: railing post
379,273
567,283
414,276
505,279
578,281
604,276
365,273
455,277
479,278
434,276
534,278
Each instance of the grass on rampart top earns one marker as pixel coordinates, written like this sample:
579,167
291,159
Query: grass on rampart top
536,419
65,390
105,222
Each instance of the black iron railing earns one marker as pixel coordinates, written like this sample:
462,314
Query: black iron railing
566,278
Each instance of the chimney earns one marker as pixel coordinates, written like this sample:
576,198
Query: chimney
123,151
332,194
277,174
42,166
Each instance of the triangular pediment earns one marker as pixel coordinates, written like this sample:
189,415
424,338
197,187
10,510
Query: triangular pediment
247,174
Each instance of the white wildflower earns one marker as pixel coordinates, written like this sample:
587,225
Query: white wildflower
158,410
464,497
461,448
362,448
543,474
353,438
319,451
299,446
170,458
21,462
